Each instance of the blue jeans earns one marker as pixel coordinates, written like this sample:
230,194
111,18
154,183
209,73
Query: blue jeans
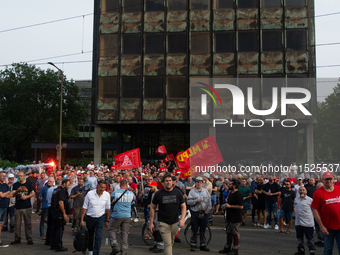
95,227
329,241
146,211
272,208
43,220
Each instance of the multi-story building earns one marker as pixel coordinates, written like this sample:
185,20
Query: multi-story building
146,52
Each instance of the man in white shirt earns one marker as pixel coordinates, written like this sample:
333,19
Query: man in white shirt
90,166
297,186
294,168
92,178
97,204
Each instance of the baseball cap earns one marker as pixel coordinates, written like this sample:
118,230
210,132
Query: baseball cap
199,178
122,178
206,175
153,183
79,174
299,178
11,176
327,175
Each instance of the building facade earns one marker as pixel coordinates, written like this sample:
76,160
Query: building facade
146,51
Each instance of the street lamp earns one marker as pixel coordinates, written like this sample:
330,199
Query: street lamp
61,112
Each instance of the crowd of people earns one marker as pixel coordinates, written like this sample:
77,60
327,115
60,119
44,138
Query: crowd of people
101,196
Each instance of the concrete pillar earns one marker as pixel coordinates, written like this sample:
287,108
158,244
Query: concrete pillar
97,145
212,131
310,143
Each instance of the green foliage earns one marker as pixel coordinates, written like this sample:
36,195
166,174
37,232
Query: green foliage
327,130
30,106
6,163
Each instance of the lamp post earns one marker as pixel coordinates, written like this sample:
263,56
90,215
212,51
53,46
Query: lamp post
61,112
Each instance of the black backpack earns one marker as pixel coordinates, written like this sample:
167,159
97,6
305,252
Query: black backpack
81,240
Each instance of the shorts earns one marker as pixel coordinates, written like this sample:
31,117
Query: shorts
213,199
245,207
283,214
3,213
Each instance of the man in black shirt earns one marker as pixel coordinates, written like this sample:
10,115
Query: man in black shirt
261,203
234,207
23,191
311,187
286,205
272,191
60,209
169,200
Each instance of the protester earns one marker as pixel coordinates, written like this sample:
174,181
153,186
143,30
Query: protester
32,178
78,195
147,196
120,218
23,191
39,185
286,205
133,187
326,209
60,210
246,193
272,191
96,206
44,206
304,222
318,231
5,194
168,200
199,201
10,210
49,212
234,207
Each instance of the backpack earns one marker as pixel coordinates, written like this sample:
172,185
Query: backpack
81,240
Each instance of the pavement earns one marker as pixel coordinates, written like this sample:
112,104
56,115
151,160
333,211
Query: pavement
253,240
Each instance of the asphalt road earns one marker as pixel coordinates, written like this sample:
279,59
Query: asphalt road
254,240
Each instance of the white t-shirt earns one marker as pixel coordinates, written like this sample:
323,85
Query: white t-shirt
90,167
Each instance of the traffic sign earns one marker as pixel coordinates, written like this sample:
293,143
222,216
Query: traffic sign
57,147
64,145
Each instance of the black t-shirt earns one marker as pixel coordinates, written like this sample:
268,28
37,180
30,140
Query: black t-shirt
169,203
262,196
287,197
310,190
27,188
147,195
273,188
235,215
213,186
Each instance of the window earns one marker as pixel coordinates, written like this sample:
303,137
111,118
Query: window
153,87
154,43
296,40
224,42
177,87
177,5
224,4
200,42
133,6
247,41
272,81
250,81
154,5
107,87
271,3
110,6
177,43
108,45
247,4
271,40
130,87
295,3
132,44
200,4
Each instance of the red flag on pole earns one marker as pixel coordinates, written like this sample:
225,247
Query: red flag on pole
170,157
161,150
129,159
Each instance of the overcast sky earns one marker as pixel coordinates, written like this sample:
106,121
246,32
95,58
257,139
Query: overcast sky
39,44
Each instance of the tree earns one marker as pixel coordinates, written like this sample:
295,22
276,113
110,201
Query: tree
30,109
327,131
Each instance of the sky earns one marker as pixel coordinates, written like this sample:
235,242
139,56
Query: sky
73,37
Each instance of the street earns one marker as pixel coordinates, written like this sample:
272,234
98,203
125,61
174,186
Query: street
254,240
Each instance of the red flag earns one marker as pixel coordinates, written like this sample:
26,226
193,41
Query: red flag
205,153
161,150
129,159
170,157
